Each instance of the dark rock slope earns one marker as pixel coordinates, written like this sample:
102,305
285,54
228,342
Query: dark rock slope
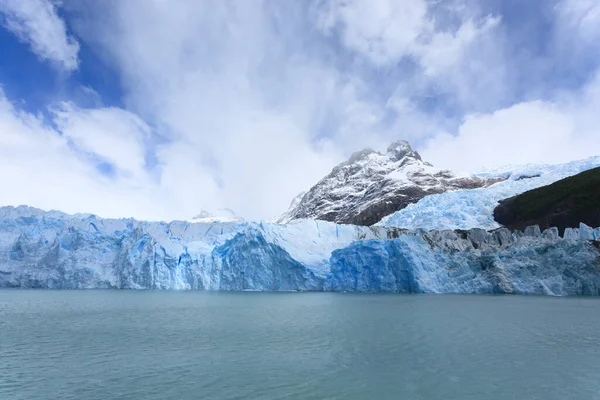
563,204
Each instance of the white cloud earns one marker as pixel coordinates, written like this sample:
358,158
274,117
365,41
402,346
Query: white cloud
581,17
245,104
386,31
113,134
447,49
37,23
457,50
554,128
524,133
539,132
38,167
383,31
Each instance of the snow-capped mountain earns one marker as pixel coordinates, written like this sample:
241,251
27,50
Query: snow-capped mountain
371,185
220,215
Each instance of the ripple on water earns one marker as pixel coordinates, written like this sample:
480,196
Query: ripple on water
156,345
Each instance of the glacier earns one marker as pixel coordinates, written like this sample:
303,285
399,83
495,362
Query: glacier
53,250
474,208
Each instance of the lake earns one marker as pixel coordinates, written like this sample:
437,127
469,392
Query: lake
201,345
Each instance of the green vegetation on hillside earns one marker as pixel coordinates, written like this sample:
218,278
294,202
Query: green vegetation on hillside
563,204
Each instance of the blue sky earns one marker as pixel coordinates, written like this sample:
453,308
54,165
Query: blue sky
158,109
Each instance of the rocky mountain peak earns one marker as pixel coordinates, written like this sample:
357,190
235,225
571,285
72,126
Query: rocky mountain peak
371,185
359,156
400,149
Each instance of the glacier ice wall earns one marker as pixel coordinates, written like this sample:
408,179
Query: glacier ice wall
54,250
474,208
472,261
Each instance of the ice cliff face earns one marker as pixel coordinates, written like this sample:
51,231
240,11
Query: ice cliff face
371,185
474,208
55,250
472,261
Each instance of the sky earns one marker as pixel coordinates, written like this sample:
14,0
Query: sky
158,109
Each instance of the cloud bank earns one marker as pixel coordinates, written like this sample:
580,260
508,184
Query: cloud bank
245,104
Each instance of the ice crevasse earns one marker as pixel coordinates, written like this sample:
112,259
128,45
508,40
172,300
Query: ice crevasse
55,250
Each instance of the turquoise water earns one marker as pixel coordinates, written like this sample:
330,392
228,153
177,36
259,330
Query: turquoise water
198,345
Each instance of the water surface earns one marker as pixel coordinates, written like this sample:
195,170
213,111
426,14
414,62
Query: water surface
199,345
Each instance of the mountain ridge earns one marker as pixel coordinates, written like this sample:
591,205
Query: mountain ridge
371,185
